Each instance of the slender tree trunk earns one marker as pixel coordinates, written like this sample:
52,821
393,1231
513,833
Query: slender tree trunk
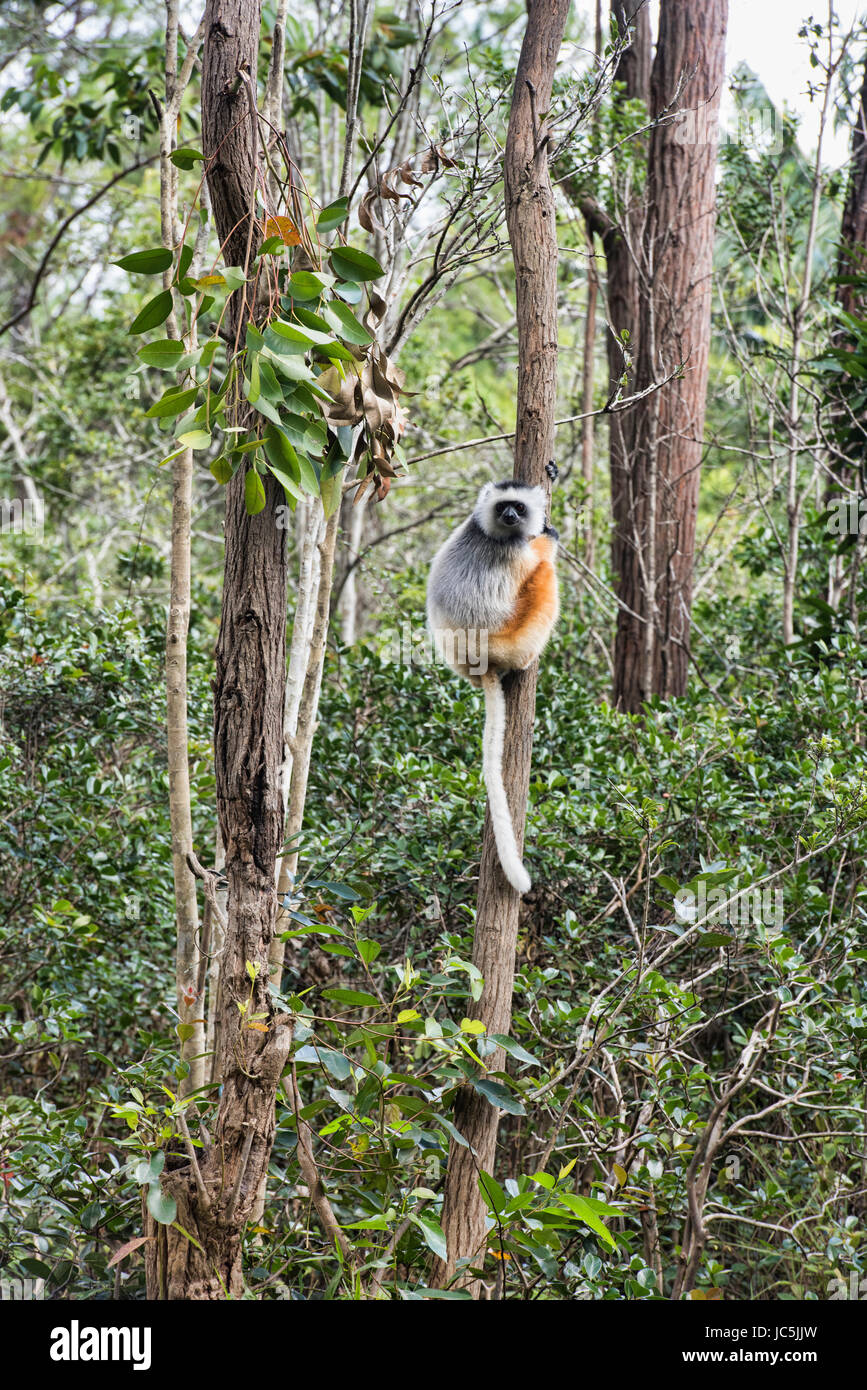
853,227
794,495
852,261
587,382
215,1190
621,240
190,1001
532,231
655,540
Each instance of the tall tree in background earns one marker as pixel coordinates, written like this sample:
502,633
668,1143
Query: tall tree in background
199,1256
656,528
853,228
852,299
621,234
532,232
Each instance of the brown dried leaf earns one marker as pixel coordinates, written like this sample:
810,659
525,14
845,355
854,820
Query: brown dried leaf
284,228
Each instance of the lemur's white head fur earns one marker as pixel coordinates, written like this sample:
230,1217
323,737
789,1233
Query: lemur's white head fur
510,511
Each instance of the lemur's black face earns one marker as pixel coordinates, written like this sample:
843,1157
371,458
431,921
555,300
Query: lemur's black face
510,513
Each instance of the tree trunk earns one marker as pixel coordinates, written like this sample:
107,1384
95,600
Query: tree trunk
853,227
655,521
532,232
215,1191
852,298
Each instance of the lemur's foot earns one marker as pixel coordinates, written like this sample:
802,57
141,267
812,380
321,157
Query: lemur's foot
552,470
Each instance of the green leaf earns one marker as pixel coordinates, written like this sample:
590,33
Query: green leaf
493,1195
254,493
222,469
499,1095
291,489
368,950
185,157
171,403
280,452
339,1066
586,1214
147,262
333,215
670,884
344,322
162,1208
305,285
434,1236
514,1049
309,476
331,490
164,354
350,292
234,277
195,439
155,312
472,1025
350,996
350,264
298,339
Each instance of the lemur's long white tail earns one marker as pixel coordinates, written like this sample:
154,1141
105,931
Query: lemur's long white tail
492,767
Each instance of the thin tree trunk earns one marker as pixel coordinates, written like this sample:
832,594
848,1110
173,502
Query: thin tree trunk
215,1190
852,261
587,383
655,541
532,232
794,497
190,1003
621,241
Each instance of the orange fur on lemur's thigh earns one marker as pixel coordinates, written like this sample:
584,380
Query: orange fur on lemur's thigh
520,640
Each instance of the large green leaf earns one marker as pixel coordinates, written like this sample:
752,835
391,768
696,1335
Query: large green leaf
350,264
155,312
332,216
162,1208
499,1095
171,403
434,1236
165,354
342,320
254,493
147,262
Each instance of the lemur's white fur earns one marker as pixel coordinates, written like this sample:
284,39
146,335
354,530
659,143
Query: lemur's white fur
492,767
488,616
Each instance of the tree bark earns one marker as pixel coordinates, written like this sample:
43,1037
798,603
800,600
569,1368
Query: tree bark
852,298
190,1002
532,232
216,1189
621,241
853,227
655,520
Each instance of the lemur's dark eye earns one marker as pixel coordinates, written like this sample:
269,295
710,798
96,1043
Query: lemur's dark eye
520,508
